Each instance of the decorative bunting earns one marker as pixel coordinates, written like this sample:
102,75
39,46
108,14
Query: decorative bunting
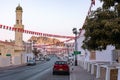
33,33
10,28
0,26
93,2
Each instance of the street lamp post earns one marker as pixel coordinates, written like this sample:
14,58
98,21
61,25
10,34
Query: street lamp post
68,49
75,32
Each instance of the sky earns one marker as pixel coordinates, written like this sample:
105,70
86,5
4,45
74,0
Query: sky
47,16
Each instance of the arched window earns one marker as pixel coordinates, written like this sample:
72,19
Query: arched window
17,21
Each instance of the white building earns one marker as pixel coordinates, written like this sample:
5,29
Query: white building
104,55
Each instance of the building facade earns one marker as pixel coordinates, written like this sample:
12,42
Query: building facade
12,53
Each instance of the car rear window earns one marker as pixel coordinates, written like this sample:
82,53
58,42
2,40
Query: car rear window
60,62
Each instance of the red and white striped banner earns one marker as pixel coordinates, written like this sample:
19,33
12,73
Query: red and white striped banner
33,32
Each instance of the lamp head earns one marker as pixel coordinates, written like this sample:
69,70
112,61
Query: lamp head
74,30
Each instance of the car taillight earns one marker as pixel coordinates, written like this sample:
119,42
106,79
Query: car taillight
56,65
66,66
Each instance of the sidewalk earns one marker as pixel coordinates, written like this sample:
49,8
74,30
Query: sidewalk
15,66
11,67
78,73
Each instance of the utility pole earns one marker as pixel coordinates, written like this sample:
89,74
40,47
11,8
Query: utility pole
75,32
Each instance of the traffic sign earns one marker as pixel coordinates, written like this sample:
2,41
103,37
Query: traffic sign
77,52
8,54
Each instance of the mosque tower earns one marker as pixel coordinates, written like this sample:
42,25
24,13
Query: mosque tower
19,34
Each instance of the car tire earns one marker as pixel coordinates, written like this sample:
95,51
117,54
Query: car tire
54,73
68,73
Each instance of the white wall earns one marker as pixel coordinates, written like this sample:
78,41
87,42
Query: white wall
17,60
83,52
29,56
105,55
4,61
80,42
118,73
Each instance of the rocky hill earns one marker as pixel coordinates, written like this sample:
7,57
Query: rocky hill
46,40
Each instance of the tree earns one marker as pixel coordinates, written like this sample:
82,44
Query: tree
36,52
102,26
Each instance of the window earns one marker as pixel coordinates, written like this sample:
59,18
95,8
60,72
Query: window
17,21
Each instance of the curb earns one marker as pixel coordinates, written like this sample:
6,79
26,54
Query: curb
11,67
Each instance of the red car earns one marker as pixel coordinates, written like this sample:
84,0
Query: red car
61,67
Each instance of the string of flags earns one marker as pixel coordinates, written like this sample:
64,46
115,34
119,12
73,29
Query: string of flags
33,32
89,11
47,49
93,2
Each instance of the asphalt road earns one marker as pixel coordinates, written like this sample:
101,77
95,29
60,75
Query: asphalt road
41,71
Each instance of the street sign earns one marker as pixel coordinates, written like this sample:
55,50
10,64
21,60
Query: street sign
8,54
77,52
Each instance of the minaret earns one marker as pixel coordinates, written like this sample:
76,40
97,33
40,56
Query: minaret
19,35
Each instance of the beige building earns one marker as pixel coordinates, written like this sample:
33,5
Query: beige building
12,53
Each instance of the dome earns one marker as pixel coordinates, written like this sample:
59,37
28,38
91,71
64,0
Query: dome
18,7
